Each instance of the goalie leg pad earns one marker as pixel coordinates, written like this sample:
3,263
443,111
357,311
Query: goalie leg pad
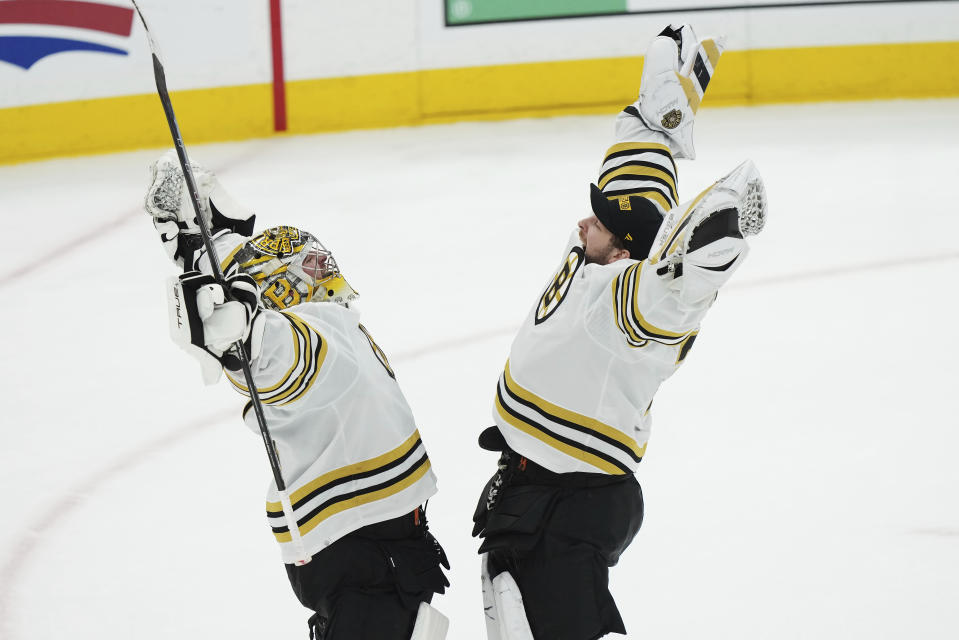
430,624
503,605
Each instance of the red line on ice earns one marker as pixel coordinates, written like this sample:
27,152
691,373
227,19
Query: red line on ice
24,550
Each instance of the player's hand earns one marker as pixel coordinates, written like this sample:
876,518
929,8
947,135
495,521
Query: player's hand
207,321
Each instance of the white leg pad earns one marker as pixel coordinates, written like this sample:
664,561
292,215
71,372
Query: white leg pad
430,624
503,604
489,604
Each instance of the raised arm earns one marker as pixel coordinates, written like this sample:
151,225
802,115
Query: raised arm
638,183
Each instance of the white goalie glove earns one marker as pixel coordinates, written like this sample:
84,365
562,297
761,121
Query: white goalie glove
702,242
168,203
676,71
205,324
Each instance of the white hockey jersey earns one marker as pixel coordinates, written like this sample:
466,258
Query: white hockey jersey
578,386
349,450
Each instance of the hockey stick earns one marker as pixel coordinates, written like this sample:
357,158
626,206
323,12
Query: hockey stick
238,347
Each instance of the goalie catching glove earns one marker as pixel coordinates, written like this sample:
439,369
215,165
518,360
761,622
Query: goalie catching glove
168,202
702,242
206,321
676,71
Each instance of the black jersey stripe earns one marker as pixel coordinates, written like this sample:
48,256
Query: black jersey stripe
612,193
348,478
619,298
601,431
642,150
312,362
301,344
701,72
637,163
318,512
569,442
380,462
638,322
641,191
568,423
640,177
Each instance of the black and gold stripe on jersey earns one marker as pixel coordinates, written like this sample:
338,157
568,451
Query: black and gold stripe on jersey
374,479
644,169
629,317
609,449
309,352
703,69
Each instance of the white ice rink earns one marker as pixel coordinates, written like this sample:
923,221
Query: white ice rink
802,478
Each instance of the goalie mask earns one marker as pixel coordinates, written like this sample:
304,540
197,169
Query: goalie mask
292,267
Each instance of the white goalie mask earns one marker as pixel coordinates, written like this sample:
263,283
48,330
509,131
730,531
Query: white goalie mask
292,267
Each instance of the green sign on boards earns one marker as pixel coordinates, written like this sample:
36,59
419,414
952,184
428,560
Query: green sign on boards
479,11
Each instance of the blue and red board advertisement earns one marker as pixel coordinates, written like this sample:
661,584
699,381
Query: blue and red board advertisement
31,30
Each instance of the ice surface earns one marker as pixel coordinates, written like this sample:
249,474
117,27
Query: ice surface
801,479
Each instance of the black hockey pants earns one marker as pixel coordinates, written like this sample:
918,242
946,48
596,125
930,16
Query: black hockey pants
558,535
368,584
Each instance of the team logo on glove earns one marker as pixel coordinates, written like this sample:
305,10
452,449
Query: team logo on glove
672,119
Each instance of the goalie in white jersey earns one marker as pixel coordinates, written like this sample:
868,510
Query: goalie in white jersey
354,465
618,316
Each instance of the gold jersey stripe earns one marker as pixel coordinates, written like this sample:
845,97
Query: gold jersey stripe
297,333
569,450
644,324
357,501
632,339
286,376
637,146
302,384
633,170
570,416
712,52
336,474
692,95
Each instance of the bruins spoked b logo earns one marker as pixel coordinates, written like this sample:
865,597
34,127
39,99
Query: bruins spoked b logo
672,119
559,287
